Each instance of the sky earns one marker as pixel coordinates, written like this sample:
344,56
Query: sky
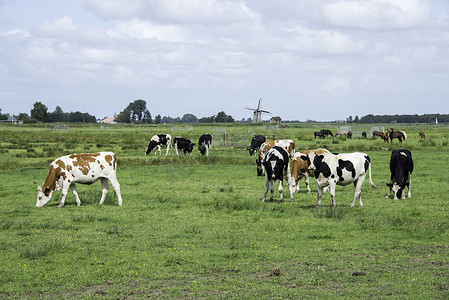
318,60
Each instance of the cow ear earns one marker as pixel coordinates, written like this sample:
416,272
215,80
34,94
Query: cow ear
389,184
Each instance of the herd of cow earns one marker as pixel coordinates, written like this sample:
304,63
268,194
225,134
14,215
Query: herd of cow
388,134
273,161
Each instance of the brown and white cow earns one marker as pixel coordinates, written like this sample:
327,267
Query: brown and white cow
288,145
80,168
300,169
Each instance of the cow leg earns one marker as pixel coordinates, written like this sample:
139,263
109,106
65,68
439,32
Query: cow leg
266,189
168,149
332,186
306,180
116,187
408,185
176,150
389,192
105,189
281,191
65,189
319,194
358,191
75,193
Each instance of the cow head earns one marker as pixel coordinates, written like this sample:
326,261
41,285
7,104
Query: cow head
150,147
397,188
43,196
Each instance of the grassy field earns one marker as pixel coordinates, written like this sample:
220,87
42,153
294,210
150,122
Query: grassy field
195,227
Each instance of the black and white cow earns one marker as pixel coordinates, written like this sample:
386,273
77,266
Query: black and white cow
205,144
184,145
340,169
256,142
157,141
401,168
276,166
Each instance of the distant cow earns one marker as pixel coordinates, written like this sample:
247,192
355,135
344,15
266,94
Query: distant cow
318,134
347,134
364,134
256,142
205,144
300,169
340,169
79,168
184,145
326,132
401,168
276,166
422,135
157,141
288,145
382,135
400,135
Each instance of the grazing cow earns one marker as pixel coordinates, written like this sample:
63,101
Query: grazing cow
340,169
319,134
400,135
300,169
79,168
364,134
326,132
288,145
380,134
347,134
422,135
158,141
401,168
276,166
205,144
256,142
183,144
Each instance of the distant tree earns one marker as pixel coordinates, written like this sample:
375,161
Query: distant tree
349,119
223,117
189,118
356,119
25,118
57,115
39,112
123,117
157,119
3,116
207,119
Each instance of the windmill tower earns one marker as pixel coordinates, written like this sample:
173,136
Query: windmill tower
257,112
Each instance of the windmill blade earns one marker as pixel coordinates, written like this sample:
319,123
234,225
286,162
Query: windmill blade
249,108
258,104
265,111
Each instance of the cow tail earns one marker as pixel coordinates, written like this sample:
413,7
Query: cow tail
405,135
371,183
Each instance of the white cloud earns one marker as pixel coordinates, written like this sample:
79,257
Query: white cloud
377,14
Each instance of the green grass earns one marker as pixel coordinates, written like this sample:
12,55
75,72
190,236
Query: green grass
194,227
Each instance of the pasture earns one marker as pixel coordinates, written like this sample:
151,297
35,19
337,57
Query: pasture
195,227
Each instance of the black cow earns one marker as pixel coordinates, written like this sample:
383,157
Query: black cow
158,141
401,168
276,166
326,132
256,142
319,134
183,144
364,134
205,144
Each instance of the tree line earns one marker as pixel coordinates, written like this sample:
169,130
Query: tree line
426,118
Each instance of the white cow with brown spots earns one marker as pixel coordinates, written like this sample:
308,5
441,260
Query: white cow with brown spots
300,169
80,168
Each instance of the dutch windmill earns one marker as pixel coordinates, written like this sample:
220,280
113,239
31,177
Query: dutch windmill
257,112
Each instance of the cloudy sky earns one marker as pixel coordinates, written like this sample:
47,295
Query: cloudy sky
308,59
